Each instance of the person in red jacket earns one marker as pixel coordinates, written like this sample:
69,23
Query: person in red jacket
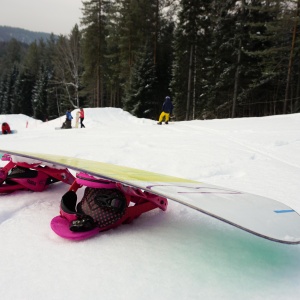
81,117
5,128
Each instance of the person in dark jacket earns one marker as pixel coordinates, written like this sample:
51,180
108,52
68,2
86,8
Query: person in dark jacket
167,109
68,122
5,128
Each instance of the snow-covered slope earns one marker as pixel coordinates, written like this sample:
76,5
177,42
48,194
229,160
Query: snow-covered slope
178,254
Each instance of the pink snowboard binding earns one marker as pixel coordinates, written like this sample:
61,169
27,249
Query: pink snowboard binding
30,176
105,205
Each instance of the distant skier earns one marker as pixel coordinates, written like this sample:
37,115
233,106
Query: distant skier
167,109
81,117
68,122
5,128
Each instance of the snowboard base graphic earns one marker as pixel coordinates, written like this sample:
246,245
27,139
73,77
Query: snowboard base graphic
261,216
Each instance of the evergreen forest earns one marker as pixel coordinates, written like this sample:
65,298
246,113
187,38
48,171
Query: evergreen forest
215,59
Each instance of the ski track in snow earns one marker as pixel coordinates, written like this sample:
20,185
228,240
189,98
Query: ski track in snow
244,145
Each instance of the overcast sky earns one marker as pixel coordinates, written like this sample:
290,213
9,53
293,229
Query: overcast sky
57,16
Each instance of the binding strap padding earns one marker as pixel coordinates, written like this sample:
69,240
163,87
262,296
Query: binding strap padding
105,206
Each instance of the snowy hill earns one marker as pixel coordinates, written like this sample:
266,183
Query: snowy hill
25,36
177,254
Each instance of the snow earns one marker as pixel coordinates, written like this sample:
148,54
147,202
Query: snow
177,254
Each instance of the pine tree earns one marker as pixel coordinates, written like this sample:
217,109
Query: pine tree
139,48
13,54
141,97
39,97
94,46
221,60
2,91
143,26
17,96
190,49
29,74
49,61
26,82
8,98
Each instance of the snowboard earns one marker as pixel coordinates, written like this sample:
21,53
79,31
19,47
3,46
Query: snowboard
261,216
12,131
77,119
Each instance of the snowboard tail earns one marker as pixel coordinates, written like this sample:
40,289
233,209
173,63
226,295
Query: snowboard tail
261,216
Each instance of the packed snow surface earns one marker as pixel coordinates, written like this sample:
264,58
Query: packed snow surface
177,254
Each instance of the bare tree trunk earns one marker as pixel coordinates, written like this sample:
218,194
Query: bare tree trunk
238,68
236,80
68,64
297,103
102,92
99,68
291,60
98,82
188,102
156,32
195,78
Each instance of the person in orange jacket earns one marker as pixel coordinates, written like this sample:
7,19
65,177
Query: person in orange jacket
81,117
5,128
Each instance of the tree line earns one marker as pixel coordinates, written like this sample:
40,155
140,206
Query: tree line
216,59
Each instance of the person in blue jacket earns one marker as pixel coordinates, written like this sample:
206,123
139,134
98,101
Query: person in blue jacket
167,109
68,122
